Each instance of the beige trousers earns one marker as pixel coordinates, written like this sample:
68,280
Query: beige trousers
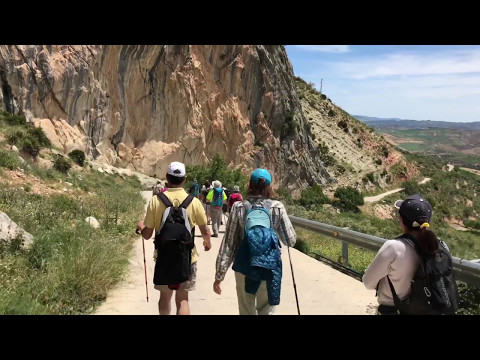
249,304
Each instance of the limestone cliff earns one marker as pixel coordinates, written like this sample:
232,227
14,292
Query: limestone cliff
142,106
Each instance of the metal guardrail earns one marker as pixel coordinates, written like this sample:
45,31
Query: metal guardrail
465,270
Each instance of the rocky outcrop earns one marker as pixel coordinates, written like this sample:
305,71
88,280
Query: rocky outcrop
142,106
9,231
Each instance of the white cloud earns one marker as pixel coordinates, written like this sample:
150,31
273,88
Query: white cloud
338,49
458,62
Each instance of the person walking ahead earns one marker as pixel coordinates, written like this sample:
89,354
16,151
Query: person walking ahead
216,197
176,177
253,298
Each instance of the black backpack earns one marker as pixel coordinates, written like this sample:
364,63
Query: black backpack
173,243
434,290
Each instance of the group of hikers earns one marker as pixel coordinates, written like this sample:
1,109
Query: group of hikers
255,229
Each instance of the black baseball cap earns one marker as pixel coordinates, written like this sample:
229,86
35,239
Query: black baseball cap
415,209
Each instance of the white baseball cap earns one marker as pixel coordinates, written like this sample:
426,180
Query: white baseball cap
176,169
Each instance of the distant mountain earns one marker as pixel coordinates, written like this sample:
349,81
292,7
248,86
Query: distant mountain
395,123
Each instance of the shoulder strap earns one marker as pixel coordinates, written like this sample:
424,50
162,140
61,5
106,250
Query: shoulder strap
187,201
396,299
247,205
165,200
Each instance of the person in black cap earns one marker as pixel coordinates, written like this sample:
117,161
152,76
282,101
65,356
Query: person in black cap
398,258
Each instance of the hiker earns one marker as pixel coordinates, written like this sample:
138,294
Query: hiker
254,296
216,197
176,178
157,188
195,189
233,198
396,263
205,190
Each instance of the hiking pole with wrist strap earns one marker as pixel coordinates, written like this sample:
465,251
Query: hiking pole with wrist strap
144,261
293,278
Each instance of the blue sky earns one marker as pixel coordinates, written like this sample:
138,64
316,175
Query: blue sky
417,82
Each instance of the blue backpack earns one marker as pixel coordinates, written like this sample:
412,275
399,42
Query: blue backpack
217,197
259,256
194,189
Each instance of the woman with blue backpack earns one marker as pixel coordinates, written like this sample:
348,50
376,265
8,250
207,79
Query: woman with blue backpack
251,242
216,197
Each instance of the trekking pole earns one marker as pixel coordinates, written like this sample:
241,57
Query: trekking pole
144,261
293,278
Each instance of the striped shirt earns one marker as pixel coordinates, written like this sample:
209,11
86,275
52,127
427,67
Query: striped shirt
235,231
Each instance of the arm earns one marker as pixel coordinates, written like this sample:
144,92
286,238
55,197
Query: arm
285,229
147,226
207,245
379,267
201,221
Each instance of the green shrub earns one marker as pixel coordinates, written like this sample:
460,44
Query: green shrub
15,138
62,164
410,187
326,158
38,134
9,160
12,119
371,177
348,199
31,146
313,197
78,156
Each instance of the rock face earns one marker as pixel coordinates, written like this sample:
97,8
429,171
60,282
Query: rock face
143,106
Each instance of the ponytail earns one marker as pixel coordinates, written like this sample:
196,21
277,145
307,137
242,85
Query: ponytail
427,240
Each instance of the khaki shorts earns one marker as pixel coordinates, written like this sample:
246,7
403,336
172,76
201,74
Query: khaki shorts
188,285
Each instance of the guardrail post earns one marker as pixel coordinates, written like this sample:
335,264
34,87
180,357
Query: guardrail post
345,253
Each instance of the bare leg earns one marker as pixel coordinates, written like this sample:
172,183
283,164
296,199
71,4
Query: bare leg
164,304
181,300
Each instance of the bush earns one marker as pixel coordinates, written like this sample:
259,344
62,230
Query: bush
313,196
326,158
348,199
29,139
61,164
38,134
370,177
12,119
9,160
31,146
78,156
410,187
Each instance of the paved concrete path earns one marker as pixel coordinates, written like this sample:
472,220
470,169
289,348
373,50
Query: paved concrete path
321,290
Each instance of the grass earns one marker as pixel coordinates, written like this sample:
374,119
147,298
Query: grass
71,266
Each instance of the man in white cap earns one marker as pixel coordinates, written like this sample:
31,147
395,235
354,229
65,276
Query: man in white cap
176,177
